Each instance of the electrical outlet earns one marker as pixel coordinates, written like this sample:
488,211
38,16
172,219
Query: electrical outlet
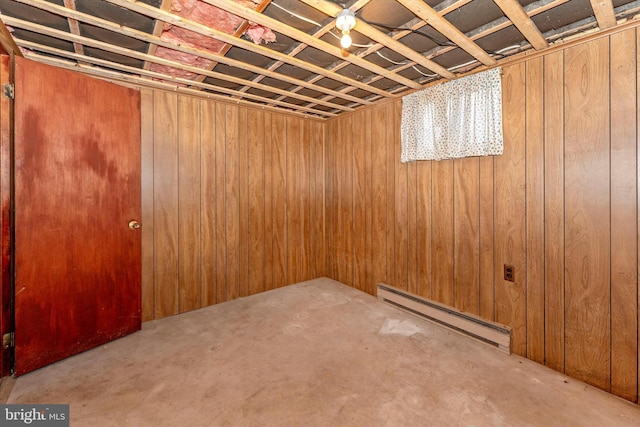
509,273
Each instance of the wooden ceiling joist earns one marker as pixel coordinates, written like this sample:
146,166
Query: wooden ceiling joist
363,28
179,82
130,32
253,16
136,82
192,51
604,12
448,30
73,25
515,12
134,54
178,21
158,28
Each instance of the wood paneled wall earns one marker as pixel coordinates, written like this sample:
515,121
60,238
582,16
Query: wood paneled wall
232,202
561,205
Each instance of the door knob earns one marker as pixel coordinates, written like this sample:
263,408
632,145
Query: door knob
134,225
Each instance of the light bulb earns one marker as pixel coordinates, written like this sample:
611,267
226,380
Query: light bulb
345,41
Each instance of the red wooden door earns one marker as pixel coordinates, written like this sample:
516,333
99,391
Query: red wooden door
77,187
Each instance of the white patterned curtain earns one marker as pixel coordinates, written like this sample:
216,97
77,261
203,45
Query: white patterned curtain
459,118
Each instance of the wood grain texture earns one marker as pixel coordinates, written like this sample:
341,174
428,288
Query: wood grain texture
146,173
344,190
360,154
243,204
466,205
331,202
268,201
317,168
279,201
221,200
554,209
208,202
412,227
509,220
624,214
424,229
295,221
442,236
401,217
587,214
77,187
5,216
486,279
390,168
243,187
638,205
256,202
378,177
305,173
189,262
165,203
232,199
535,208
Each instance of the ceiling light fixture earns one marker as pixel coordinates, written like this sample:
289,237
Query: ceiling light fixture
345,22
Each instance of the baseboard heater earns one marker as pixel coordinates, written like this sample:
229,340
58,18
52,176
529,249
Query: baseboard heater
488,332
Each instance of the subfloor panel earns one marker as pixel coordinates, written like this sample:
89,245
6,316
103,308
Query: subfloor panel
314,354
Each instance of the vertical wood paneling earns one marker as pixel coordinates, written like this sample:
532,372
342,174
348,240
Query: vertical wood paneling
486,279
412,228
424,229
220,197
268,202
638,200
345,202
243,205
624,229
554,209
165,202
231,190
294,213
442,234
317,168
401,255
467,240
587,214
279,201
305,177
509,185
377,175
232,199
147,157
331,202
189,198
390,167
208,201
256,202
360,154
368,285
535,209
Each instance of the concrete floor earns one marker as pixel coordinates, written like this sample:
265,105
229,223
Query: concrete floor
315,354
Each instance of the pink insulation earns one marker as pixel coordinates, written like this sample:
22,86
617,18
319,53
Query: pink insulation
210,16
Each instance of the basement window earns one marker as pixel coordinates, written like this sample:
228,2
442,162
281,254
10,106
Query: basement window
459,118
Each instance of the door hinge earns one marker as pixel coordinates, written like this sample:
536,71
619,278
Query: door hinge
9,90
9,340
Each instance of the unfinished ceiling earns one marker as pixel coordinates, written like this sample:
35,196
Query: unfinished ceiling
286,54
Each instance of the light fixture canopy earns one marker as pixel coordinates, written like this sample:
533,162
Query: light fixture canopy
345,22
